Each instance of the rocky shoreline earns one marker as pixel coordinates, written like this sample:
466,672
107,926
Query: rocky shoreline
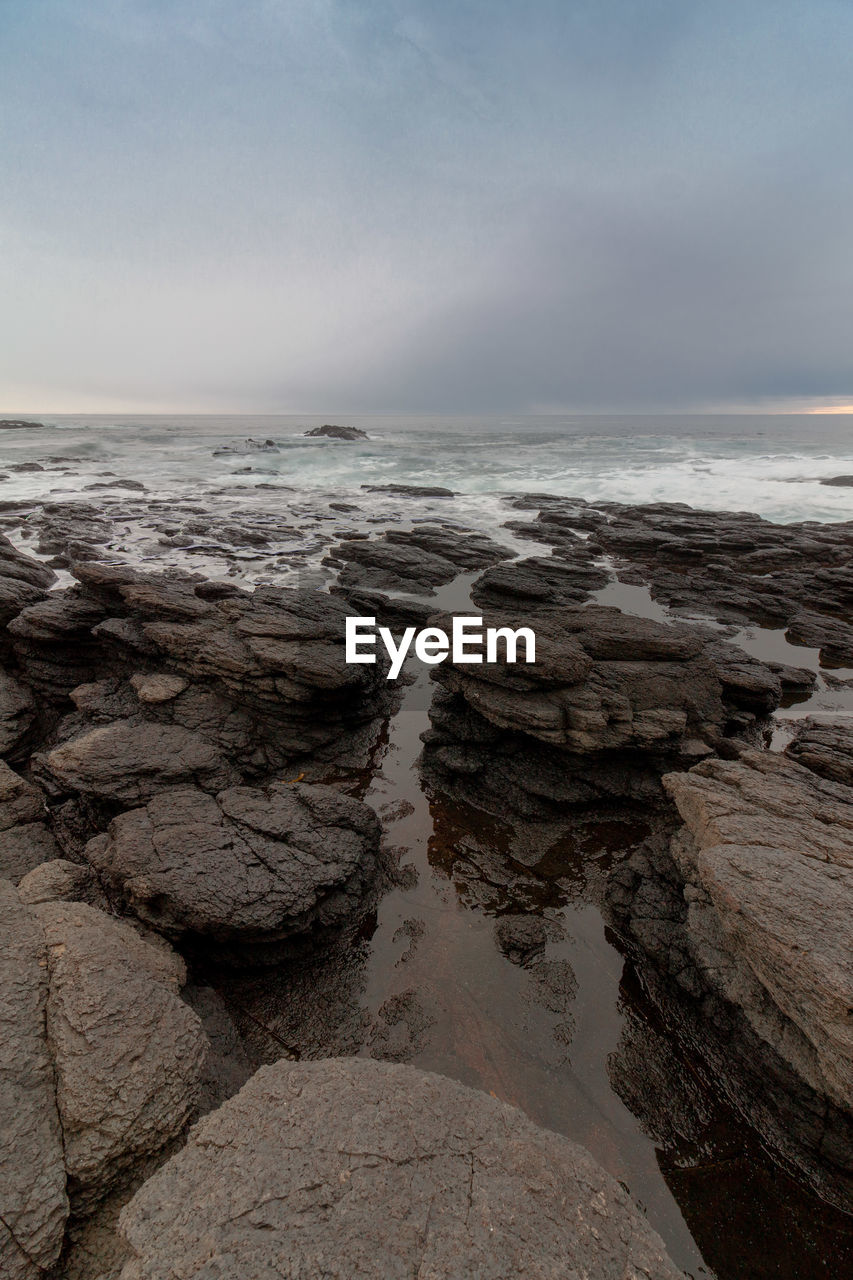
189,831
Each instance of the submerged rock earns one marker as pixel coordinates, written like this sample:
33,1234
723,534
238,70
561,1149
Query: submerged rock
388,1172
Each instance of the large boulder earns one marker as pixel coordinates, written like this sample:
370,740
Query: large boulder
33,1203
249,864
352,1167
128,1053
101,1064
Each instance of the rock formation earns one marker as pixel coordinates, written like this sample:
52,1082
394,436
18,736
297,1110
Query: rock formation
360,1168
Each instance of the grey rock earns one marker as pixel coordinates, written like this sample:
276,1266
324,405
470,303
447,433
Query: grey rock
17,717
330,431
25,839
825,747
470,1185
130,761
128,1053
33,1203
62,881
249,864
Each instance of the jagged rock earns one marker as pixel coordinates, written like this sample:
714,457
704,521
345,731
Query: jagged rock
609,699
465,550
824,747
381,565
248,865
468,1184
840,481
17,424
539,582
33,1203
834,638
274,661
128,1053
23,582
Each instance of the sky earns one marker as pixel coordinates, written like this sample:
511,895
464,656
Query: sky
461,206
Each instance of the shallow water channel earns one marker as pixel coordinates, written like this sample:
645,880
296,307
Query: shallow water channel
562,1029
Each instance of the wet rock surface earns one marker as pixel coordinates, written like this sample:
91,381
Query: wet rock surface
175,728
469,1184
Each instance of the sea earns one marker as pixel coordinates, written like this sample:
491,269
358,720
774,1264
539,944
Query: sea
771,464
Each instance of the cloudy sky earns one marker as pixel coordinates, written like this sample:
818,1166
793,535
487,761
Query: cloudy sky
443,206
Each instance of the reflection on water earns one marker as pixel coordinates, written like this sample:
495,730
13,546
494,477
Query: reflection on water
490,960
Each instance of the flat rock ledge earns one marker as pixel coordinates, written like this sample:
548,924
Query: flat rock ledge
356,1168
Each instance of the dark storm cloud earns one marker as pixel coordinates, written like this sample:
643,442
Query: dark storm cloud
400,204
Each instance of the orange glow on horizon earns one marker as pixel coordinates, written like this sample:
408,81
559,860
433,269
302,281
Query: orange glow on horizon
833,408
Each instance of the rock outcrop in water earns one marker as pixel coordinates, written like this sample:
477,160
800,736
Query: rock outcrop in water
414,1175
743,923
330,431
733,566
611,703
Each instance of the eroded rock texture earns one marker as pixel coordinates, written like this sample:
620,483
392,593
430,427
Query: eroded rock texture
249,864
100,1065
259,678
745,923
611,702
359,1168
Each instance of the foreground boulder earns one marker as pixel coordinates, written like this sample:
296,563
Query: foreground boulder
33,1203
351,1167
127,1051
100,1066
247,865
745,919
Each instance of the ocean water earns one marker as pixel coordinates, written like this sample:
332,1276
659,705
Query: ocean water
769,464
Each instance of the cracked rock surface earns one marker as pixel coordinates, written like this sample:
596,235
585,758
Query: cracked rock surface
248,863
351,1167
